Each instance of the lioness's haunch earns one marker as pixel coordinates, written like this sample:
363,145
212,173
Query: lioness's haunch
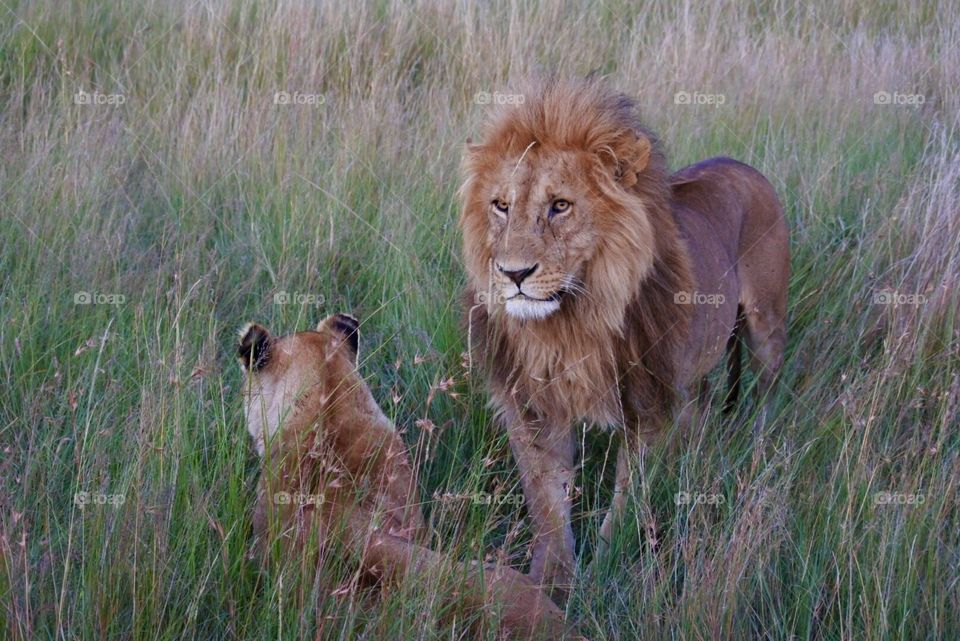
602,289
334,466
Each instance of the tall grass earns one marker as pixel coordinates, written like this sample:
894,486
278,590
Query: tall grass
187,209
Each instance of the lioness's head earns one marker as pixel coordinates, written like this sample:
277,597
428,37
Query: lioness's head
556,202
297,377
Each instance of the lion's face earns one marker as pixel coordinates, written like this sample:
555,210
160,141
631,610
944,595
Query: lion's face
544,225
541,229
555,205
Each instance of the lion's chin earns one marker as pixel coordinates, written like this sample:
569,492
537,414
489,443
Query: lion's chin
523,308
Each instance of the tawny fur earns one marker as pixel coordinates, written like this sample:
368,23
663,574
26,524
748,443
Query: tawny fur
336,471
570,189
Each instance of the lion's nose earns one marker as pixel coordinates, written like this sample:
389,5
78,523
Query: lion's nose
517,275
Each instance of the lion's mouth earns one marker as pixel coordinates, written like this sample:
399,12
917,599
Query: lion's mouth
525,307
552,298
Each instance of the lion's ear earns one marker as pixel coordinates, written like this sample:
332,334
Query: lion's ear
347,326
254,348
630,156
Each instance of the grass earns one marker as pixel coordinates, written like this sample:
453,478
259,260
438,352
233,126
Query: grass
190,206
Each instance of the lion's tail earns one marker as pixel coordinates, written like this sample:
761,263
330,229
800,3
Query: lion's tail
734,366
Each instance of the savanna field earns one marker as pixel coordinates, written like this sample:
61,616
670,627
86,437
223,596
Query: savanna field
173,169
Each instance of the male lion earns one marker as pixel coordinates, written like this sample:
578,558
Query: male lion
335,469
601,289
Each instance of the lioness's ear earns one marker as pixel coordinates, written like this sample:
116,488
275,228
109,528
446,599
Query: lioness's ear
631,155
254,348
349,327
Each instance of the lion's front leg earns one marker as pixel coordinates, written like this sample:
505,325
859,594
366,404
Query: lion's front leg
544,454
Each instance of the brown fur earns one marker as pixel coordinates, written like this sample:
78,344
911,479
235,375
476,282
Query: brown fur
597,329
346,477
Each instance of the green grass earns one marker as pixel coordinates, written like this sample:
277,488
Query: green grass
198,200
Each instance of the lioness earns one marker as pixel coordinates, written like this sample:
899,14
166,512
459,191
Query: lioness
334,466
602,289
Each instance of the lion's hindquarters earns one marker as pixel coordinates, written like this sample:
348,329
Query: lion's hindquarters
764,271
741,206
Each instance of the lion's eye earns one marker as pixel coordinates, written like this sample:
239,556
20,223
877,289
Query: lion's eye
501,207
559,206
